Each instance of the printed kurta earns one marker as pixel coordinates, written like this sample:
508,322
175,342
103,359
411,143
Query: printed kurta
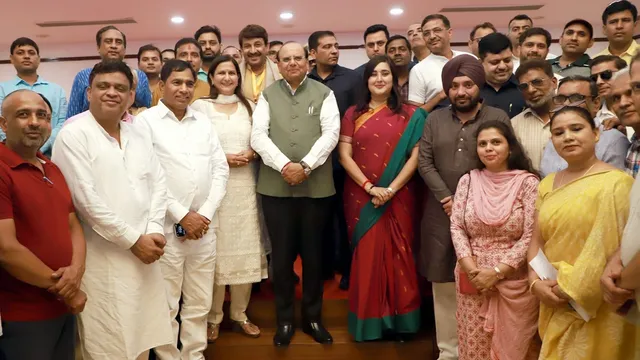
119,193
581,225
491,245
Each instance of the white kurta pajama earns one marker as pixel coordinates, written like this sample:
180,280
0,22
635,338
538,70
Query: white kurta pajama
196,171
119,193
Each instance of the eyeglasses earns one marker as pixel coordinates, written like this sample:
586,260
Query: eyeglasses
577,103
536,83
605,76
573,98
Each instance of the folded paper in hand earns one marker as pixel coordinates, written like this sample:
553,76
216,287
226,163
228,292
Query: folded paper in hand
541,265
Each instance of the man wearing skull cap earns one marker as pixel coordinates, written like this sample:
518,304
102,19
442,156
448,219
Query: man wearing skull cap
448,151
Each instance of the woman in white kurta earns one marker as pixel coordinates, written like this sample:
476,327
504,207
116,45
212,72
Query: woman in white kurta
241,259
119,192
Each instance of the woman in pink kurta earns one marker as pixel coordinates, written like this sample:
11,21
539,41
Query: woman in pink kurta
491,226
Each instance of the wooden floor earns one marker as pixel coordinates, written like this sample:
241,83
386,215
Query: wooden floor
234,346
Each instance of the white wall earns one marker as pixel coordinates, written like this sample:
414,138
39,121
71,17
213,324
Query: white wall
63,72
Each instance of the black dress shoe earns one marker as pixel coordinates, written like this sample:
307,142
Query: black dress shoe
317,332
283,335
344,283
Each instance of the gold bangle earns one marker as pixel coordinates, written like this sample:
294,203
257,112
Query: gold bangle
531,286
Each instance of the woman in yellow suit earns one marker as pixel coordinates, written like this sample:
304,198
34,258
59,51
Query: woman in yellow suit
581,214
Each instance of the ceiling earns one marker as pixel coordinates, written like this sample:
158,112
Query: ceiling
152,16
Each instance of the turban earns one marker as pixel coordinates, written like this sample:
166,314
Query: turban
462,65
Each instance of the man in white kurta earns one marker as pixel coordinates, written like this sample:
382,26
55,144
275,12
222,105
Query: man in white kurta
118,189
196,170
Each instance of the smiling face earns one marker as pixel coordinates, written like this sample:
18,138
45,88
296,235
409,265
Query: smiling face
254,51
380,82
293,64
575,39
225,78
399,52
177,91
493,149
109,95
464,94
534,47
26,120
498,68
437,36
573,137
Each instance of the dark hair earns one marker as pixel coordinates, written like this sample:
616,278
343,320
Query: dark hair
432,17
24,41
581,112
166,50
306,51
107,28
531,64
374,29
175,65
252,32
397,37
213,93
394,102
148,47
208,29
518,159
314,38
593,87
109,67
587,25
520,17
617,7
275,42
533,32
493,44
185,41
618,62
484,25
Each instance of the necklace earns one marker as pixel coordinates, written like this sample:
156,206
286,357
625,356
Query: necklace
583,174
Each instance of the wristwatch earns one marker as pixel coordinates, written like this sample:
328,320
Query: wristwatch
306,168
499,274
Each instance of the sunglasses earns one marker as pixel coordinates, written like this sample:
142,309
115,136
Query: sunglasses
573,98
605,76
577,103
537,83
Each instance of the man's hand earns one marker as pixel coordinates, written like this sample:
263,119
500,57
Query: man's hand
159,240
195,225
294,174
611,123
237,160
146,249
612,293
250,155
68,281
77,302
447,205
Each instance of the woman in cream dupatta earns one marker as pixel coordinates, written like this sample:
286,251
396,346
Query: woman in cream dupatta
581,213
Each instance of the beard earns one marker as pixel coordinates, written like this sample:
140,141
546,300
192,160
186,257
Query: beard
208,58
544,100
466,108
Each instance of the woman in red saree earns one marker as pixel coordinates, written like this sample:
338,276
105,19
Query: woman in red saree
378,149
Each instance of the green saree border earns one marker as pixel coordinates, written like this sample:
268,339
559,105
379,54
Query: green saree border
373,328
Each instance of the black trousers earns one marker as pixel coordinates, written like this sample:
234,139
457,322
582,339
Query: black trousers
337,252
53,339
296,226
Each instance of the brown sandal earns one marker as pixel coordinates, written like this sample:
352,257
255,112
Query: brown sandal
246,328
213,332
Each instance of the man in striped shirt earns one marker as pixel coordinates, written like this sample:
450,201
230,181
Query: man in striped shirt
112,44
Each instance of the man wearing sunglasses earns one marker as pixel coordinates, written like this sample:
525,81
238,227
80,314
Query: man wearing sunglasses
581,91
531,126
603,68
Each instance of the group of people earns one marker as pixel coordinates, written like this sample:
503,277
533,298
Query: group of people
139,200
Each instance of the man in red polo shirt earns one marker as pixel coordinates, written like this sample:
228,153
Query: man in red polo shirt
42,247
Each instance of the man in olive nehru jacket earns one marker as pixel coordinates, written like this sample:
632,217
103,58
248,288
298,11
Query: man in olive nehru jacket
296,125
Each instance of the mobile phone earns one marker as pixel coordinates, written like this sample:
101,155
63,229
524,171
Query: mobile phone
179,230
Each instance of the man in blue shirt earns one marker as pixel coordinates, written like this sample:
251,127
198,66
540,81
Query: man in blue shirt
25,57
112,45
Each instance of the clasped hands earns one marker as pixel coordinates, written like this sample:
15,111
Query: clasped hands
380,195
613,294
293,174
241,159
195,225
483,279
67,287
